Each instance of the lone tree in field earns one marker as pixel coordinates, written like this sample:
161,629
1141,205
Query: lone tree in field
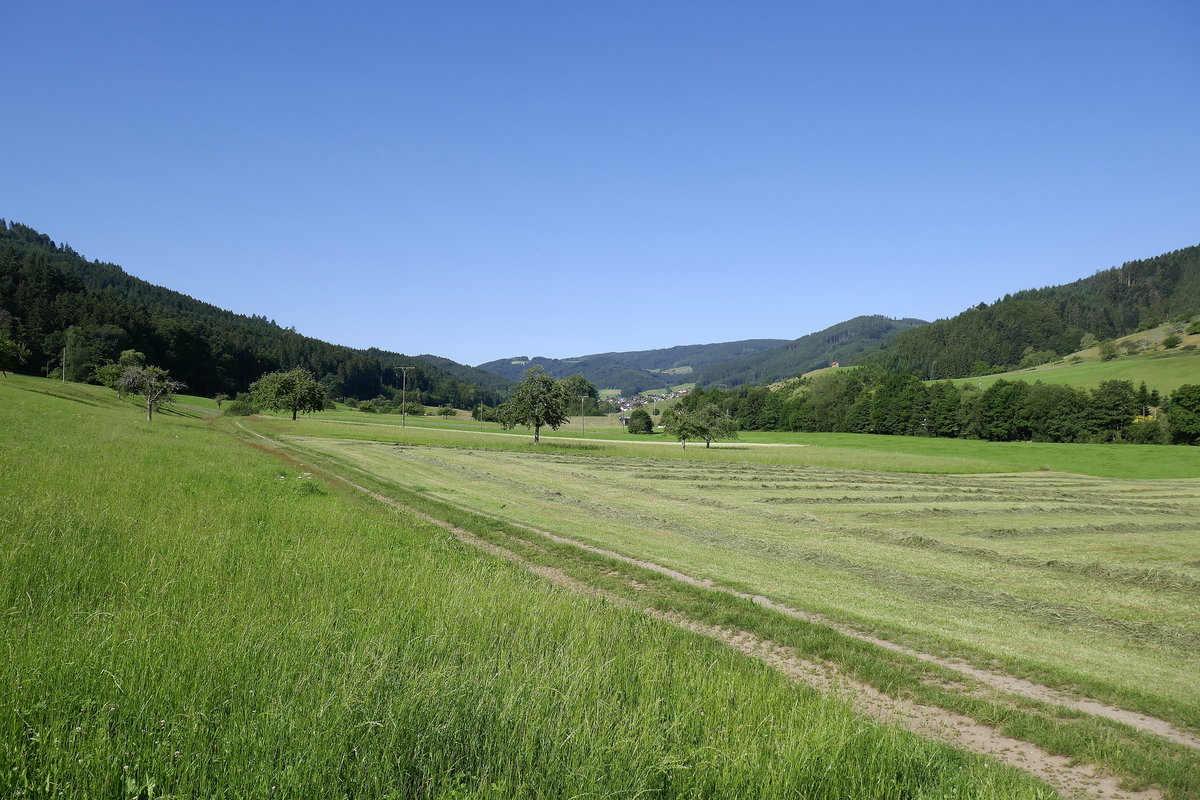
706,422
682,423
538,400
714,424
639,422
296,390
152,383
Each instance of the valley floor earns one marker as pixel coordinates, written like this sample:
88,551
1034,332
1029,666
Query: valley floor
221,607
1057,605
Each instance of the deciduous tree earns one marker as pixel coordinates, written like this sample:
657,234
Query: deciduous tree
640,422
538,401
152,383
705,422
714,424
12,354
296,390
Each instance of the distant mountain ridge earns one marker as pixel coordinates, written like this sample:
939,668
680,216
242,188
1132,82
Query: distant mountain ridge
52,298
633,371
730,363
690,355
846,343
604,371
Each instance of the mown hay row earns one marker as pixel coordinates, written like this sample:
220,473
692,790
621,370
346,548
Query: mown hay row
1074,530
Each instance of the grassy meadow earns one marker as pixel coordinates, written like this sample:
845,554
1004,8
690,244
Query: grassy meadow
187,615
1165,370
1075,566
1093,582
603,436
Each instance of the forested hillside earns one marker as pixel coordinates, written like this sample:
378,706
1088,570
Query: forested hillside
634,371
604,371
52,299
1114,302
690,355
846,342
731,363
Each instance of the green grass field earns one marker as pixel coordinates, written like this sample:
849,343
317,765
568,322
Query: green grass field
188,615
604,436
1093,580
1076,566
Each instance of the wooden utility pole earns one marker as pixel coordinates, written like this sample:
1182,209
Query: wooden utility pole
404,396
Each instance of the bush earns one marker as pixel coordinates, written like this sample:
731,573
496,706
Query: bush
1194,327
107,375
1146,430
447,411
488,413
368,407
639,422
1037,358
239,408
1171,341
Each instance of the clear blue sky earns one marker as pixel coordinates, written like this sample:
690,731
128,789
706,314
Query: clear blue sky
490,179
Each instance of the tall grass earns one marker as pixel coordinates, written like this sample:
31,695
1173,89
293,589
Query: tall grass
1111,613
1052,630
187,617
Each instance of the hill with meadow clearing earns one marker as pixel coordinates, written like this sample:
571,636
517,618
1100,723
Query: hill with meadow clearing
1051,322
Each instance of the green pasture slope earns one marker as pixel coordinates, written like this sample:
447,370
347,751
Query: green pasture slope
964,456
1165,370
188,616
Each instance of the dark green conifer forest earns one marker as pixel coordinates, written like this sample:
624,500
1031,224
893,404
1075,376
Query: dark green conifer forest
1113,302
54,302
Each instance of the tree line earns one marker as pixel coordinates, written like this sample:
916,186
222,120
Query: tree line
865,400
